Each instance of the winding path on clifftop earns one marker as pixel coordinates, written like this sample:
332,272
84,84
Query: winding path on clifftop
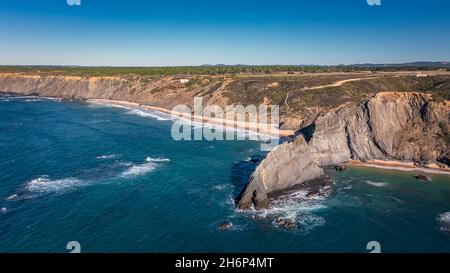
335,84
339,83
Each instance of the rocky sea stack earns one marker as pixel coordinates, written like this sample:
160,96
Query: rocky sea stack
403,126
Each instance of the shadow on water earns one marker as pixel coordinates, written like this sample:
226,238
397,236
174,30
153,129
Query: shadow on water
307,132
241,172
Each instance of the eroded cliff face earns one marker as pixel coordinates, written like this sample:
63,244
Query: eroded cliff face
395,126
161,91
67,87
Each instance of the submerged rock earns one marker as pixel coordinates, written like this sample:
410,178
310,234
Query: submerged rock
225,225
313,193
389,126
285,222
423,177
316,188
254,160
340,167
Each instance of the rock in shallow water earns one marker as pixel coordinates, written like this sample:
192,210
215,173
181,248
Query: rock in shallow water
423,178
285,222
340,167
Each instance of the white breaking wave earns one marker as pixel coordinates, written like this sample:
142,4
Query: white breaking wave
137,170
138,112
146,114
376,184
444,221
106,156
222,187
295,202
46,185
299,208
12,197
308,222
149,159
141,169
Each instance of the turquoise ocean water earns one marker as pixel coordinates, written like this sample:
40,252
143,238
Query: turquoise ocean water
114,180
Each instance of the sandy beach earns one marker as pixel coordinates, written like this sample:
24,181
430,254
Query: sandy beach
401,166
262,129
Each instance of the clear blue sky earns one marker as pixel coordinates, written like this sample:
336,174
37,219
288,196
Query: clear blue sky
173,32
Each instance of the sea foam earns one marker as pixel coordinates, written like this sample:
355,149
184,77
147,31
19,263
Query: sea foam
146,114
46,185
444,221
376,184
142,169
137,170
106,156
159,159
298,207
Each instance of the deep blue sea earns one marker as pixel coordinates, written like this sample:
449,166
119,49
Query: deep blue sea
114,180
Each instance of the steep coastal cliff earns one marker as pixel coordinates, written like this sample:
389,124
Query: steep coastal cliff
161,91
390,126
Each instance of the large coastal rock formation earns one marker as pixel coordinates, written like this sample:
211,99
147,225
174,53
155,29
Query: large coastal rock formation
390,126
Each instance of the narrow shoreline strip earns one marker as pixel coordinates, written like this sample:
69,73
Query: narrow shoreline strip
247,126
400,166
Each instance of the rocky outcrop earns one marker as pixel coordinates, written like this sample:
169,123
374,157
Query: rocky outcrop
281,169
395,126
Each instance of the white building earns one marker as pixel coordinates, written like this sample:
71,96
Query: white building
421,75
